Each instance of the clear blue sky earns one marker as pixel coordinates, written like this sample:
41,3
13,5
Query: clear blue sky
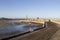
31,8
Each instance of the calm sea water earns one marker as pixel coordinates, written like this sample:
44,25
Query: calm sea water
15,29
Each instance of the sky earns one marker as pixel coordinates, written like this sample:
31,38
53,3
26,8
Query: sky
30,8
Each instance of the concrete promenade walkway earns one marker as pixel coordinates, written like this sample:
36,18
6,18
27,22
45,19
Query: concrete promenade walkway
43,34
56,36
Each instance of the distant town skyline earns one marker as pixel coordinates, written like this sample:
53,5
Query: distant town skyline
30,8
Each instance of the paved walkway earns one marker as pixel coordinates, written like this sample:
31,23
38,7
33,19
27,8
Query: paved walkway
44,34
56,36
